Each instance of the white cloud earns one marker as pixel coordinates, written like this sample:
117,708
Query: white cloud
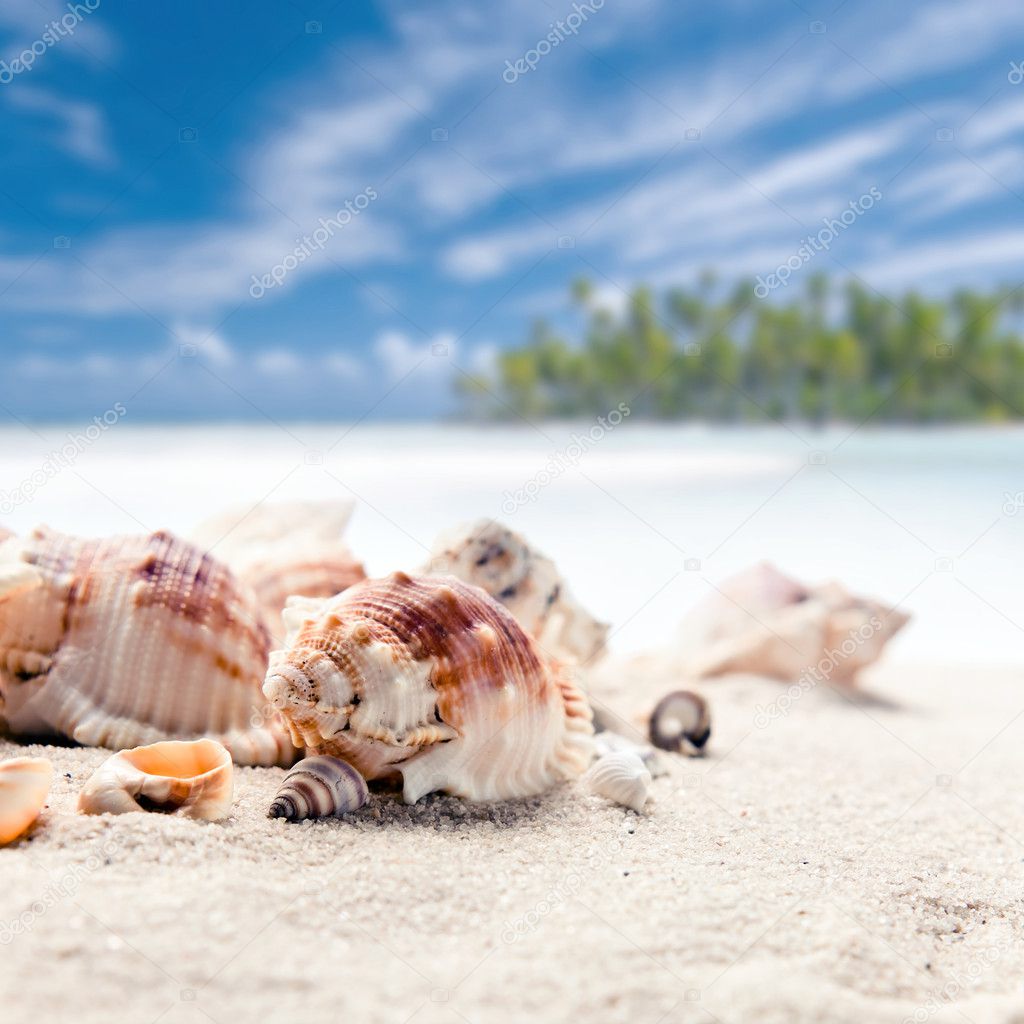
77,127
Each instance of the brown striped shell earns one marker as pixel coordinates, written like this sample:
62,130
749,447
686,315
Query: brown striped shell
132,640
286,548
490,555
431,679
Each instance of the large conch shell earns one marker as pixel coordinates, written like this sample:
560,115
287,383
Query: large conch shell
284,549
24,785
430,679
489,555
191,779
131,640
763,623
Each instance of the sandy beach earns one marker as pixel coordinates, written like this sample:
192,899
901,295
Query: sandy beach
848,860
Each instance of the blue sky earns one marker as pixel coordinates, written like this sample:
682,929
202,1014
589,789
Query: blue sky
158,157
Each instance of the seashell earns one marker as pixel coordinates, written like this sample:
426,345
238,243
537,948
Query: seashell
132,640
491,556
190,778
621,777
24,785
285,549
319,787
608,742
763,623
681,723
432,680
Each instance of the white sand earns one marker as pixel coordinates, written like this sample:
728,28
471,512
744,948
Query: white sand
844,863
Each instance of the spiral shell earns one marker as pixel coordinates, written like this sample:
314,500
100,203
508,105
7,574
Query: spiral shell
489,555
319,787
285,549
430,679
764,623
680,722
132,640
191,779
621,777
24,785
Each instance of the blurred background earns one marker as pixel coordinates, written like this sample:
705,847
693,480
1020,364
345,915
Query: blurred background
668,293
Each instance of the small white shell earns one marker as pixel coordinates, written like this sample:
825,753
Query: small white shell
319,787
607,741
193,779
620,777
24,784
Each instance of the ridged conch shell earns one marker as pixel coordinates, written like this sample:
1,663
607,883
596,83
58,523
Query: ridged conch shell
192,779
131,640
319,787
24,785
430,679
285,549
764,623
490,555
621,777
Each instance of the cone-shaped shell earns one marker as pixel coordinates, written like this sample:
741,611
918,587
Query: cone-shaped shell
490,555
430,679
192,779
319,787
284,549
24,785
132,640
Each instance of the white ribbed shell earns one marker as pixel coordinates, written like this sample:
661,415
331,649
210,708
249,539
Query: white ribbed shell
620,777
431,679
132,640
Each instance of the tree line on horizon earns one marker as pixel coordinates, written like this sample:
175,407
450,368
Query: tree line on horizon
724,355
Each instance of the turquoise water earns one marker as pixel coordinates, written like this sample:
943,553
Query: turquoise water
642,518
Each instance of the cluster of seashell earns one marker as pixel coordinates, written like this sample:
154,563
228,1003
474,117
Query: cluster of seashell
189,657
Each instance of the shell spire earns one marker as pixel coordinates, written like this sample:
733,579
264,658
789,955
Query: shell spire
319,787
429,679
